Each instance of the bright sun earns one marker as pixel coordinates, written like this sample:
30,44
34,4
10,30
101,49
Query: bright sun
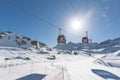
75,25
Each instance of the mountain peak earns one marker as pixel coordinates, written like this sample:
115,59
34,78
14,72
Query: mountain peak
9,39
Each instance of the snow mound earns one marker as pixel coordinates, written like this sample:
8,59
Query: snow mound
111,59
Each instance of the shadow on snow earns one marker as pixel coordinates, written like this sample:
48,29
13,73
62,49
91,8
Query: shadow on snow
32,77
105,74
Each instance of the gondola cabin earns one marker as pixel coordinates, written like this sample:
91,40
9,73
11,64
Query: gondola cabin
61,39
85,40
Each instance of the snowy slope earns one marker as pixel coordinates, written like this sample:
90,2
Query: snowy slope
75,67
12,40
111,59
82,67
16,63
24,62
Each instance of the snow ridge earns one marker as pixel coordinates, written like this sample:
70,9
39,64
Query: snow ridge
9,39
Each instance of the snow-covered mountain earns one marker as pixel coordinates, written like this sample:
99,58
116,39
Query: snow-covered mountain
9,39
108,43
108,46
74,46
32,64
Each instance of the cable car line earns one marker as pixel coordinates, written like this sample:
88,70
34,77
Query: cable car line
33,15
75,12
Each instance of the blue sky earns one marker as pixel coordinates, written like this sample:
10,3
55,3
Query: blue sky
99,17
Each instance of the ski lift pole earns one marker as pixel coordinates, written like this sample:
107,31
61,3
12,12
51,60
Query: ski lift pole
63,72
59,31
90,41
45,70
31,68
86,33
9,66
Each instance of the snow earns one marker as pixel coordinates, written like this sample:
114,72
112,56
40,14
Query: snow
75,67
12,40
74,46
105,47
80,68
112,59
73,61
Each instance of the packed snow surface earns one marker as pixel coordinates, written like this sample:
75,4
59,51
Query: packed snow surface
20,64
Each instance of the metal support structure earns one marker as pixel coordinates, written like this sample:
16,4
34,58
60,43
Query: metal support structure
86,33
63,73
90,47
60,31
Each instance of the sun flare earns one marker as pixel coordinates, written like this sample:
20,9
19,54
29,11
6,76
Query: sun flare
75,25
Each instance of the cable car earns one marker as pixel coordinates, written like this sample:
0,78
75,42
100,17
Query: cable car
61,39
85,40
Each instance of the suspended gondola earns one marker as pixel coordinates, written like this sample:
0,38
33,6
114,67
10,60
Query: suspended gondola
61,38
85,39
